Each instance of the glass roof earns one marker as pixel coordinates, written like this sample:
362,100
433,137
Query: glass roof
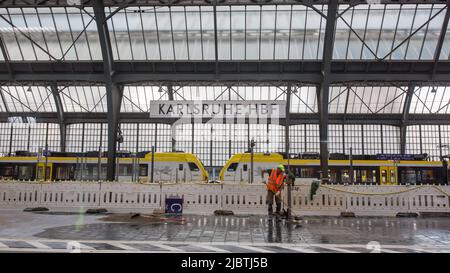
50,34
445,53
27,99
137,98
431,100
343,99
304,100
382,32
367,99
266,32
244,33
254,32
83,98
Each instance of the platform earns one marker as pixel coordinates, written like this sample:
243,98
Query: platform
71,232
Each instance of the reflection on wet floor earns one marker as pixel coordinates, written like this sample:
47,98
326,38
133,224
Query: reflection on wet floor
257,229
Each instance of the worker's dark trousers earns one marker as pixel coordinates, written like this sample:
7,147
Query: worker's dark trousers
269,201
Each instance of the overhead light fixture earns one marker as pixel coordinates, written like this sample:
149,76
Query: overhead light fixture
433,90
160,89
29,89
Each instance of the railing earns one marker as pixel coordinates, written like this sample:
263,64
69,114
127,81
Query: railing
200,198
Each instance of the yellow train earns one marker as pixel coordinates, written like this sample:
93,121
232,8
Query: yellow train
375,172
186,167
173,167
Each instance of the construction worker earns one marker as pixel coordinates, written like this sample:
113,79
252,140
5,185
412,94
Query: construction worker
274,186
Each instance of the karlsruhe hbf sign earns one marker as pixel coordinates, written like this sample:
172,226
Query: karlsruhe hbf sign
215,109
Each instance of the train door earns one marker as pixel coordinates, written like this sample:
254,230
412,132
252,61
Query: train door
44,173
244,173
180,174
388,175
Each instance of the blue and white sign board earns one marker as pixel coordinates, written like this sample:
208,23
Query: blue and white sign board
174,205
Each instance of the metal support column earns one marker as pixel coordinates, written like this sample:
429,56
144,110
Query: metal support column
113,91
323,95
172,131
287,150
60,113
403,126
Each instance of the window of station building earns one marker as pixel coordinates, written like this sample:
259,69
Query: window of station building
297,139
220,141
163,138
430,141
53,137
391,139
5,135
335,140
129,133
146,136
92,137
28,137
445,139
42,134
275,138
353,139
413,141
258,132
20,137
83,137
372,139
202,142
183,137
239,138
312,138
74,135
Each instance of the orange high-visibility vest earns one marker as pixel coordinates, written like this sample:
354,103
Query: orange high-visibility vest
275,181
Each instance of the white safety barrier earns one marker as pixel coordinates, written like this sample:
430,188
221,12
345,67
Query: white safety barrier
201,198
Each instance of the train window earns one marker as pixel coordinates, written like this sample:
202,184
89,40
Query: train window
7,171
308,173
245,167
193,167
232,167
25,172
143,170
124,170
62,173
345,174
180,167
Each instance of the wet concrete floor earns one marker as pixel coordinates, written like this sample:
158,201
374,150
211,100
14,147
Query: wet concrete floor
16,224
